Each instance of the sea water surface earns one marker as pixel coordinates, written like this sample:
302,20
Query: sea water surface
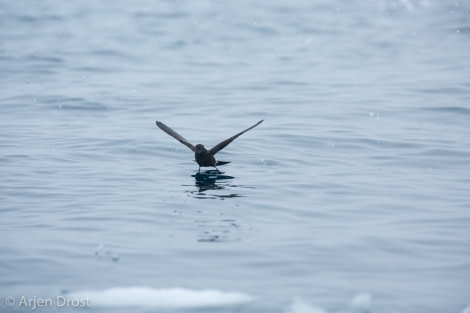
353,195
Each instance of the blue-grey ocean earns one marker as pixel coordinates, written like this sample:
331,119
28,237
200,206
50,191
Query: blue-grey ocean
353,195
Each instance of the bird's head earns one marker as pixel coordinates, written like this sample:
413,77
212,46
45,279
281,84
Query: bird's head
200,149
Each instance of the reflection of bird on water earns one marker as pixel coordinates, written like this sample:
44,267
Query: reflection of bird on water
203,156
212,180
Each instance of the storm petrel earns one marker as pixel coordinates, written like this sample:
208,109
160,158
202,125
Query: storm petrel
203,156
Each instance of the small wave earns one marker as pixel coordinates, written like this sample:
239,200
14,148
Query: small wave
467,309
175,298
300,306
77,103
359,304
450,109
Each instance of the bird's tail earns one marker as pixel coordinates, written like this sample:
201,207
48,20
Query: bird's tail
222,162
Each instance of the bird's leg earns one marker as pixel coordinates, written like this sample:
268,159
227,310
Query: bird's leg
199,169
219,172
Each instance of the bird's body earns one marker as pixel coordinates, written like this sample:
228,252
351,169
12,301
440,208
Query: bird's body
203,156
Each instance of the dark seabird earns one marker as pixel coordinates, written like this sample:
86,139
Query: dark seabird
203,156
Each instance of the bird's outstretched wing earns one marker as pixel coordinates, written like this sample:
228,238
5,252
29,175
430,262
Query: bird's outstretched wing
175,135
224,143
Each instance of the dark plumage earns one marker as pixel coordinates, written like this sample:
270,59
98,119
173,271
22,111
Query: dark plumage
203,156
